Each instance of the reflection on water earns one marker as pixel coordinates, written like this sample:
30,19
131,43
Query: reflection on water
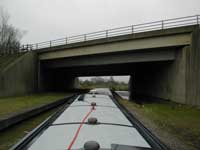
123,94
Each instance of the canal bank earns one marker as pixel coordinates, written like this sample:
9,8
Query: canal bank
12,135
26,107
41,105
176,125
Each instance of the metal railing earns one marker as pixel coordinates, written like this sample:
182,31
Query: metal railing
132,29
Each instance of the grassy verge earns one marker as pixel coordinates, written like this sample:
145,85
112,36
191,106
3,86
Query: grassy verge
12,135
13,105
180,120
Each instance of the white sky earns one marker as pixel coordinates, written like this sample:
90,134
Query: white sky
51,19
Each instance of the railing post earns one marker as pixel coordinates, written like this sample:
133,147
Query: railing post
50,43
162,24
66,40
132,29
85,37
197,19
106,33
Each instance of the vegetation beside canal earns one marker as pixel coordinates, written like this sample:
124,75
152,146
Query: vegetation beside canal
12,135
13,105
99,82
181,121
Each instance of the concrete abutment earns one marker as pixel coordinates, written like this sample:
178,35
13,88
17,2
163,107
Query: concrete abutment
178,80
20,76
163,80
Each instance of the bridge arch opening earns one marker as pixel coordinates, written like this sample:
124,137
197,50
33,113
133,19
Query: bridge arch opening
159,79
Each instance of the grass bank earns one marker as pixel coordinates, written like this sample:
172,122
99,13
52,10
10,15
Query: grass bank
14,105
181,121
12,135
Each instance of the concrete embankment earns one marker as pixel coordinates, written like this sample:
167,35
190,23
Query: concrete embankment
18,74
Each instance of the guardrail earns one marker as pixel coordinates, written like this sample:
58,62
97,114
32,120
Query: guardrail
132,29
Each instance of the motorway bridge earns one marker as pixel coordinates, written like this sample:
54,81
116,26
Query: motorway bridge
161,57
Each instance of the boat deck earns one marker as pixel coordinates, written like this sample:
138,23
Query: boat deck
112,127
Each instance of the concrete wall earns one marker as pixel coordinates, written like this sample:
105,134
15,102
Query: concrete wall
19,77
193,70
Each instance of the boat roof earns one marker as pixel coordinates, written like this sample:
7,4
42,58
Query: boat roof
113,128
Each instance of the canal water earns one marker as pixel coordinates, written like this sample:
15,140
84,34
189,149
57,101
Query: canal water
123,94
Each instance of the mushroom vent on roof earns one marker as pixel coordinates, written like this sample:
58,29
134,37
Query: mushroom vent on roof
92,120
93,104
91,145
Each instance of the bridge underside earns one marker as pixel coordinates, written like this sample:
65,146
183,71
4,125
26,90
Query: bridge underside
153,73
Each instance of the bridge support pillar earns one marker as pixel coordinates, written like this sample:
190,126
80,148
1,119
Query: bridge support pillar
161,80
193,70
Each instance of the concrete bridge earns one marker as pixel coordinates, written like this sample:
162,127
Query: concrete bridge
163,63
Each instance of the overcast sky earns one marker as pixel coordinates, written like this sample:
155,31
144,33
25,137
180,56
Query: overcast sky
51,19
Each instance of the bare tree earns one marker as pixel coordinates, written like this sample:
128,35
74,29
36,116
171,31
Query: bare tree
9,35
